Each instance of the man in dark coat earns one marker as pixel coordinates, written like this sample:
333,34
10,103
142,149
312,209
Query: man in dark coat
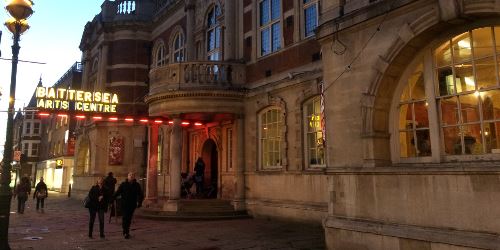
109,183
131,198
199,169
41,192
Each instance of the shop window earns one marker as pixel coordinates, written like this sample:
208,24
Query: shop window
178,49
468,92
270,138
214,34
313,134
269,26
310,16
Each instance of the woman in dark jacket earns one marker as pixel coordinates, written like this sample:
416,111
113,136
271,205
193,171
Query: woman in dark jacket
99,198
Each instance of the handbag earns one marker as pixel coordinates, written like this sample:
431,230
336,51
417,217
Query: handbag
86,202
42,194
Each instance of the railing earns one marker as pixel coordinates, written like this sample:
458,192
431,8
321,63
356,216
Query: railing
125,7
197,75
76,67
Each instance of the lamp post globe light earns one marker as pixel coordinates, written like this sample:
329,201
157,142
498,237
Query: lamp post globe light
20,10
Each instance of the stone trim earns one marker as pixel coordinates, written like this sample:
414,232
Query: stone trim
419,169
118,84
309,205
164,96
428,234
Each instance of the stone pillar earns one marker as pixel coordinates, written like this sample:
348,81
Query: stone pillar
152,174
239,197
229,30
103,69
175,166
190,23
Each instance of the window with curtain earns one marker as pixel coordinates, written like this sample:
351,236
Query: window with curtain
269,26
313,134
214,34
270,138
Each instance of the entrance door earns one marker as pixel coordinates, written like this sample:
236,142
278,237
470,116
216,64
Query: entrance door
210,157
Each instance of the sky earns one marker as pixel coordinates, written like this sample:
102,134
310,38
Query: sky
53,38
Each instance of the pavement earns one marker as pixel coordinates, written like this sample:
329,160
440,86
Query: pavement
63,224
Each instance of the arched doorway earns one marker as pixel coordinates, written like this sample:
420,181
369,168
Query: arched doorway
211,159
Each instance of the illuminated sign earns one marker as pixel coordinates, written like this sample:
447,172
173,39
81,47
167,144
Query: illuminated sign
77,100
59,162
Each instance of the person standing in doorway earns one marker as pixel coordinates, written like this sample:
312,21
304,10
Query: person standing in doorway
110,183
40,193
99,197
199,175
131,198
22,191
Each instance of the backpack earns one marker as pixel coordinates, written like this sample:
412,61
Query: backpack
42,194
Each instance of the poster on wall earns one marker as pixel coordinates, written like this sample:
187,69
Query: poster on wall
70,151
116,150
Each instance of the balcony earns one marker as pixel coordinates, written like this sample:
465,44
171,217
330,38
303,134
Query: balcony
197,76
187,86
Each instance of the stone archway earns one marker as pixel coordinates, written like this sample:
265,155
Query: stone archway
210,156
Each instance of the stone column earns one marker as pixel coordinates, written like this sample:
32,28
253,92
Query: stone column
103,69
239,197
175,166
190,23
229,30
152,173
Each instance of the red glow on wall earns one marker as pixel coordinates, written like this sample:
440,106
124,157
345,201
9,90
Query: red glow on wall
43,114
80,116
184,123
62,115
144,120
128,119
170,122
158,121
113,119
198,124
97,117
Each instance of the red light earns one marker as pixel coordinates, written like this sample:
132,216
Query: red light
43,114
198,124
97,117
170,122
129,119
62,115
185,123
158,121
80,116
144,120
113,118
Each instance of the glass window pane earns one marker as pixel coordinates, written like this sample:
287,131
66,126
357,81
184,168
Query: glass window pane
276,36
486,72
472,139
405,117
491,105
421,114
482,41
492,137
446,84
423,142
464,80
452,141
265,41
264,12
461,48
449,111
275,9
311,20
417,84
217,37
470,108
407,144
443,55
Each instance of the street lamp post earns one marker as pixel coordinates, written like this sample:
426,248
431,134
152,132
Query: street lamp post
20,10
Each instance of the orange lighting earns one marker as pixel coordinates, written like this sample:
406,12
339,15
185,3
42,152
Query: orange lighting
80,116
158,121
129,119
113,118
43,114
144,120
97,117
198,124
185,123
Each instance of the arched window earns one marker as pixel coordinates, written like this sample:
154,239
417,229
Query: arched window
270,138
160,56
214,34
313,134
178,47
461,116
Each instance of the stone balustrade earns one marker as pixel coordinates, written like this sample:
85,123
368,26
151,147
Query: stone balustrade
214,75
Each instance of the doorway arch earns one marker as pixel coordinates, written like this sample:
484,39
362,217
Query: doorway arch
210,156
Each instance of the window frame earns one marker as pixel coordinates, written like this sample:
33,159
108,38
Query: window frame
164,60
181,50
305,133
218,50
303,20
281,140
269,25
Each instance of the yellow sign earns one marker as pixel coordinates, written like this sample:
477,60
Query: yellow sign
85,101
59,162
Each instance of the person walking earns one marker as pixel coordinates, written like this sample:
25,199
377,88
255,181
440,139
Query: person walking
41,192
22,191
99,198
131,198
110,183
199,169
